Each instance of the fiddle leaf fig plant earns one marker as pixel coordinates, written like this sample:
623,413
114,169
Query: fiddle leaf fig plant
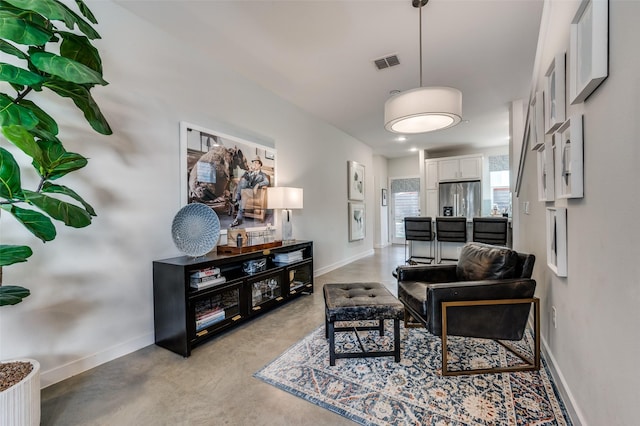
47,47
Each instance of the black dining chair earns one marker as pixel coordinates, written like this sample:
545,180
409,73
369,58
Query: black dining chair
418,229
450,230
490,230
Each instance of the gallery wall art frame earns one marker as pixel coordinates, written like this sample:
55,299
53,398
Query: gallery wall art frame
223,160
569,158
557,240
589,50
355,180
546,178
537,120
554,99
357,221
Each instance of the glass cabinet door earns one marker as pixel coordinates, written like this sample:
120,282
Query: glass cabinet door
216,307
299,277
265,290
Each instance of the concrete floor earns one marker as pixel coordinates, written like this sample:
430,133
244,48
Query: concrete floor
215,385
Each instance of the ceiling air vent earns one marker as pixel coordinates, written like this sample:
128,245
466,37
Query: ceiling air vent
386,62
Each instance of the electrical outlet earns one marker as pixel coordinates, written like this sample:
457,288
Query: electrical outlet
554,317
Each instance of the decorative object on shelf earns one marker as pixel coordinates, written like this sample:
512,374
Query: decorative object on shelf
546,180
569,162
423,109
589,50
384,197
216,169
557,240
195,229
357,224
355,184
285,198
554,100
254,266
537,120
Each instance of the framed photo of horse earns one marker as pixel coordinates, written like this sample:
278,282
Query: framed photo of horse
227,173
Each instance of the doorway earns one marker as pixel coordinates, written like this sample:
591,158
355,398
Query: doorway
405,202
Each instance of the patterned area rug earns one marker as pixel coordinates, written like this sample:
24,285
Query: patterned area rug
378,391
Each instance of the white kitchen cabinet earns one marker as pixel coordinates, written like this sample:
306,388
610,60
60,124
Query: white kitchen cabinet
460,168
431,167
432,202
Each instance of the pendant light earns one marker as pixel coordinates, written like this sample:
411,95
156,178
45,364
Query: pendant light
423,109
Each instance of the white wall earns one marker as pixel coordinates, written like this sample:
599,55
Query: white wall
92,288
380,181
595,347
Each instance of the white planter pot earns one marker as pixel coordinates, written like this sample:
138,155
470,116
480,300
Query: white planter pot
20,404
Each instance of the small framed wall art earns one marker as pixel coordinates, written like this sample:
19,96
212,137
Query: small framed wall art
546,181
357,224
355,184
589,50
569,163
554,100
557,240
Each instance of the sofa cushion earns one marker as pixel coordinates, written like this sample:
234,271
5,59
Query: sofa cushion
479,261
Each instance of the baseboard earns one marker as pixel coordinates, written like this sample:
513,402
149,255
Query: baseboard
567,397
381,246
342,263
58,374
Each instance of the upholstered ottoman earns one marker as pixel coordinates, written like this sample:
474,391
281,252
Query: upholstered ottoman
358,302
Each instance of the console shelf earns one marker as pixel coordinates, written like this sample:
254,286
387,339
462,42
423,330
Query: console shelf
254,283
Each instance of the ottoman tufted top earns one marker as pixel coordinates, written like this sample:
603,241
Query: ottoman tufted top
360,301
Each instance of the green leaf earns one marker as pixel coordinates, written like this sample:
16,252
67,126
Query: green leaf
14,254
49,188
82,98
70,214
17,75
46,123
12,50
57,162
37,223
80,49
11,114
21,138
11,294
10,186
86,12
56,11
21,31
66,69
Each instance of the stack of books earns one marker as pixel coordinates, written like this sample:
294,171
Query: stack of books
206,278
292,256
205,319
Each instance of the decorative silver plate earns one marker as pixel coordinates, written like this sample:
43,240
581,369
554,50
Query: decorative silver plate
195,229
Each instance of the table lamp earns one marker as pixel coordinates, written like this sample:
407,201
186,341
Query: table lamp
285,198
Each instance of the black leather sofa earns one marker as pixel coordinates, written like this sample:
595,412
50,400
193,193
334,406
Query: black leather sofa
487,294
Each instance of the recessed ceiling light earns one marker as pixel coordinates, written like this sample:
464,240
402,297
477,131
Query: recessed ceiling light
401,138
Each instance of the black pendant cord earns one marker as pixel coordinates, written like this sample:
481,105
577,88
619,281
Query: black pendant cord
420,34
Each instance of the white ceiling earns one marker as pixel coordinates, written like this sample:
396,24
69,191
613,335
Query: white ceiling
318,54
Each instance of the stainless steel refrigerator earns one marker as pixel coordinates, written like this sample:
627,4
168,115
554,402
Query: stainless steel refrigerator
460,199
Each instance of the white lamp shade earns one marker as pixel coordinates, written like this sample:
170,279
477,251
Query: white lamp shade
282,197
424,109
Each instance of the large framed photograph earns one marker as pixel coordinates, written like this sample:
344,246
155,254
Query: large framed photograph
355,184
569,159
557,240
228,174
357,223
554,100
589,50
